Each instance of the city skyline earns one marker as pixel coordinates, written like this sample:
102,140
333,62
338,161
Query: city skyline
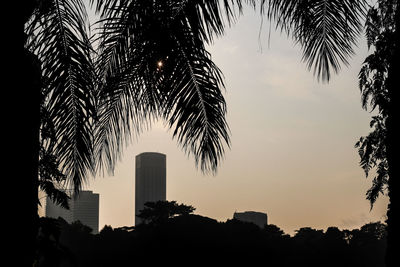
293,137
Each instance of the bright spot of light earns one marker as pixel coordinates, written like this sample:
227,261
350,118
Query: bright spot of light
159,64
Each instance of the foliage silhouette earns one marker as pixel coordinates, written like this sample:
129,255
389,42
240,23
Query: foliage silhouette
50,177
160,211
193,239
378,82
374,89
49,250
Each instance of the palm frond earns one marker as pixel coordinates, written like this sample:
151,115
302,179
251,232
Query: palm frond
59,197
326,30
185,90
194,104
58,36
126,99
124,109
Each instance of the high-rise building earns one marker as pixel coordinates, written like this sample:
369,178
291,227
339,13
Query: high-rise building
83,208
150,180
258,218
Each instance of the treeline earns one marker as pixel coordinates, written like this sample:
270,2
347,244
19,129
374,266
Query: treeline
193,240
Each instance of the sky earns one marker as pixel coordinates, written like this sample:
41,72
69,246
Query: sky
292,151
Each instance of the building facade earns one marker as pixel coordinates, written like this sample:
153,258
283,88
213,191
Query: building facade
83,208
150,180
258,218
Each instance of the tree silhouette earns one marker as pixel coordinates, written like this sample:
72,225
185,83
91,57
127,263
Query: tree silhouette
149,62
153,64
49,250
194,238
160,211
274,231
378,82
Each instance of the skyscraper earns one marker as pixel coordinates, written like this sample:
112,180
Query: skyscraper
258,218
150,180
83,208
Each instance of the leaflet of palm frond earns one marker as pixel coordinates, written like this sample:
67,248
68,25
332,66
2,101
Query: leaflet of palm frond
49,167
60,40
58,196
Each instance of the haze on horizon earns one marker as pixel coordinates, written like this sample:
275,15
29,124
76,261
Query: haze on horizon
293,137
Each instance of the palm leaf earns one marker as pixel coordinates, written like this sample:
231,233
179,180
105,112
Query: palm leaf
136,35
58,35
126,101
194,104
326,30
121,112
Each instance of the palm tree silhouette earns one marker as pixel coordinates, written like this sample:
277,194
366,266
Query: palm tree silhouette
150,62
153,64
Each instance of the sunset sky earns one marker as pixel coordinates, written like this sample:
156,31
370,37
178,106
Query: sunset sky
293,137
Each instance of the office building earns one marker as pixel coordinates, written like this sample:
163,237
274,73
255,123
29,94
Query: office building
83,208
150,180
258,218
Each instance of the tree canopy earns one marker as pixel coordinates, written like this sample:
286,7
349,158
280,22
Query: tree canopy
196,239
160,211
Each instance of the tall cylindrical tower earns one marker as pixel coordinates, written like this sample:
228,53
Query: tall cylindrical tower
150,180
